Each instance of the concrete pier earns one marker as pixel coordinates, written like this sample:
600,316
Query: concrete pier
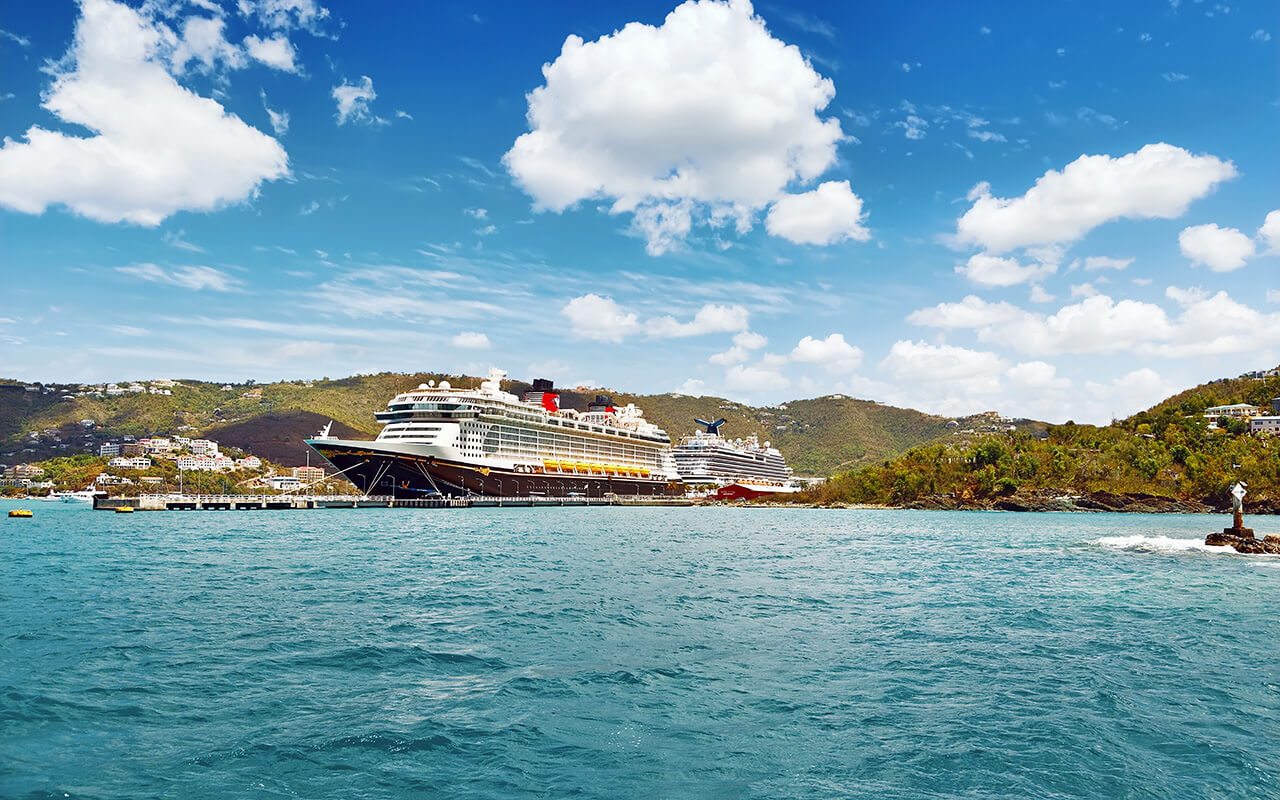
236,502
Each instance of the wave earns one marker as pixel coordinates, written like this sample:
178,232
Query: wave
1160,544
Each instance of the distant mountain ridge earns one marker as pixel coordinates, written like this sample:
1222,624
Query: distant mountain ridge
819,436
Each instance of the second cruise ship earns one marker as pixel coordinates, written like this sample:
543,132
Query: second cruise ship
740,468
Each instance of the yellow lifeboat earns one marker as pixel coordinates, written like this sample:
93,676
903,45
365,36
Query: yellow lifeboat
20,513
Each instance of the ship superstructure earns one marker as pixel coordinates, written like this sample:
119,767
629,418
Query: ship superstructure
706,457
453,441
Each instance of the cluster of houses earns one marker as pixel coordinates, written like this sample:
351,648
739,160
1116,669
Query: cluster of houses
26,476
199,455
1259,419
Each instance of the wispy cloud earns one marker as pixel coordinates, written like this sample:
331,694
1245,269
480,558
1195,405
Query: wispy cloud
197,278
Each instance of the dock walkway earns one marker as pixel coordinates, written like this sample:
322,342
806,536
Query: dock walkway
276,502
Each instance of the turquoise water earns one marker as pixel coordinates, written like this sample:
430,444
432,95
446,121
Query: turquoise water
641,652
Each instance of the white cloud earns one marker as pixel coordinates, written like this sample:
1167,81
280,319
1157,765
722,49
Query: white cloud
279,119
750,341
913,127
470,340
275,52
1039,295
353,101
971,312
706,116
954,369
711,318
1260,36
1106,262
1159,181
1085,289
1269,233
985,135
600,318
203,41
158,148
754,379
187,277
1095,325
1175,77
1037,375
990,270
734,355
477,213
1214,325
828,214
1273,295
1132,392
833,353
286,14
1219,249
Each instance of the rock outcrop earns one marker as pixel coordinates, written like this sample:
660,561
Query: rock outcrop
1054,500
1243,540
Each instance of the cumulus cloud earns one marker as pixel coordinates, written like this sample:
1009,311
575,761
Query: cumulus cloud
600,318
711,318
1038,376
1214,324
1269,233
828,214
196,278
353,101
754,379
470,340
749,340
203,41
833,353
1134,391
704,118
952,369
157,148
1095,325
991,270
275,52
1219,249
1158,181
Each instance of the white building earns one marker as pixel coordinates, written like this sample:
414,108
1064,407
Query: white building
249,462
1268,425
1236,410
125,462
203,447
109,449
187,462
156,444
282,483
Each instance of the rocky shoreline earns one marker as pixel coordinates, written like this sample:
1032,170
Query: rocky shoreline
1058,500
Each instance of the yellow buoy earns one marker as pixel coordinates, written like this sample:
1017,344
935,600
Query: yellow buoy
20,512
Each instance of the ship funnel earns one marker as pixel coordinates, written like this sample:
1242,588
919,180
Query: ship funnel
544,394
602,403
713,428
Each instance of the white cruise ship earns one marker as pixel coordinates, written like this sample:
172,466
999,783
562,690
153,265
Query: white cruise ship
438,439
739,467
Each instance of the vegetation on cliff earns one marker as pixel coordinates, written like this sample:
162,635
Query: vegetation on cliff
1169,450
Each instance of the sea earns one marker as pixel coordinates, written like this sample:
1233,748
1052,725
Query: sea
634,653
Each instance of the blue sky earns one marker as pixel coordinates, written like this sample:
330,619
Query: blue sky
1054,210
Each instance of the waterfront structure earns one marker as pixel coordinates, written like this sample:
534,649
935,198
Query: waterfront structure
438,439
740,468
1267,424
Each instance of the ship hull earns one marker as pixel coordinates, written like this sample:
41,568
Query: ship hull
401,473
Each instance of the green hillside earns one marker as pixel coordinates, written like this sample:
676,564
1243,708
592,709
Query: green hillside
1169,451
818,437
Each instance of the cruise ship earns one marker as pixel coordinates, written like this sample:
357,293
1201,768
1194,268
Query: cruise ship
740,468
442,440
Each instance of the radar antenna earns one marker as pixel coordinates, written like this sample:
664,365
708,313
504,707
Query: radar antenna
713,428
